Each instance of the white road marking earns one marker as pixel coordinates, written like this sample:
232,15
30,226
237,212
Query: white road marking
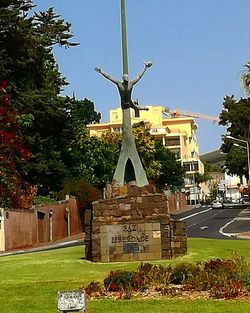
223,227
65,243
189,216
221,230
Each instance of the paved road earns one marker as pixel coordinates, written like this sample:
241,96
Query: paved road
205,222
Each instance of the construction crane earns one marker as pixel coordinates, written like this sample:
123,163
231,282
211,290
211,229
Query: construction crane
178,113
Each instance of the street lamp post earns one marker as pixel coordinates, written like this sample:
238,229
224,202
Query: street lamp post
247,148
194,191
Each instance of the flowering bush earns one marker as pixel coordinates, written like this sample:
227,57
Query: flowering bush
219,278
12,187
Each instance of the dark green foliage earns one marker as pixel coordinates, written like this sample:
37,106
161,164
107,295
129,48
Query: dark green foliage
200,178
93,159
210,168
160,164
50,124
236,117
181,272
172,172
117,281
43,200
26,46
83,191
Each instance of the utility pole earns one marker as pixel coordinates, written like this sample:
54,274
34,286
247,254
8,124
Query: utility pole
248,152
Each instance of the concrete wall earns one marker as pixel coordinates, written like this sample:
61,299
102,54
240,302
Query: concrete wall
20,229
60,228
2,233
28,228
177,202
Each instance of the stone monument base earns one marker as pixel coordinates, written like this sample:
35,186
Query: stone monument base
133,224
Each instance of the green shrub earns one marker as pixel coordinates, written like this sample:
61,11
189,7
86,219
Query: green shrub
43,200
119,281
181,272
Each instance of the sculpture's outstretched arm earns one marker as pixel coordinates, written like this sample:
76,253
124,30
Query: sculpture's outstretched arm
135,105
98,70
137,78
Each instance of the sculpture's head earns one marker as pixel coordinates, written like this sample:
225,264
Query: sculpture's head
125,77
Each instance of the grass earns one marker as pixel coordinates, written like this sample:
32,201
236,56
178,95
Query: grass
30,282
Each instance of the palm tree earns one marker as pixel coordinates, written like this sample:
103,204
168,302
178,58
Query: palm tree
245,79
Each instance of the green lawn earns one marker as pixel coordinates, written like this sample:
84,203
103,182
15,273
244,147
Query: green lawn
29,283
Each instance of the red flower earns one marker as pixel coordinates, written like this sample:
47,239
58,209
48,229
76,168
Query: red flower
3,84
9,136
6,100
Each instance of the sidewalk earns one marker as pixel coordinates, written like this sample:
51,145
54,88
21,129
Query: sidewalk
61,243
245,235
187,208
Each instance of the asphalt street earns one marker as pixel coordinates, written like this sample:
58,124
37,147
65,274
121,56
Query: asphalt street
205,222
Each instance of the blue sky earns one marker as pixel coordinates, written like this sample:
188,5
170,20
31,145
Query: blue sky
199,48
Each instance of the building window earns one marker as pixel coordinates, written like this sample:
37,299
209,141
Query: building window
172,141
116,129
191,166
177,153
115,115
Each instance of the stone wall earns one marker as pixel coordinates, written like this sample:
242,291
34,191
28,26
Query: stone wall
133,225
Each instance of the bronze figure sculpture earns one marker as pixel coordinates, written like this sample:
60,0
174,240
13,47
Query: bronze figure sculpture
129,167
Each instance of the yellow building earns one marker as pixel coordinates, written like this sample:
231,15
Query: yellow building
178,134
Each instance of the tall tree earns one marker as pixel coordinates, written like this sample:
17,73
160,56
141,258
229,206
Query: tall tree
27,61
245,79
236,117
171,173
93,159
160,163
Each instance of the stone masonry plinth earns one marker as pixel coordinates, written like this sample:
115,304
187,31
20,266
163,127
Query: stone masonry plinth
133,224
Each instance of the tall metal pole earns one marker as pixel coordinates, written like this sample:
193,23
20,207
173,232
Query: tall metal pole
194,184
248,162
248,153
129,167
124,39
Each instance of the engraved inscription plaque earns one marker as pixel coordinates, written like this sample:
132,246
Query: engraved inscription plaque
130,241
71,301
131,248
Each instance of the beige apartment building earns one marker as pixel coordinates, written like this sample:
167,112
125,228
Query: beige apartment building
178,134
